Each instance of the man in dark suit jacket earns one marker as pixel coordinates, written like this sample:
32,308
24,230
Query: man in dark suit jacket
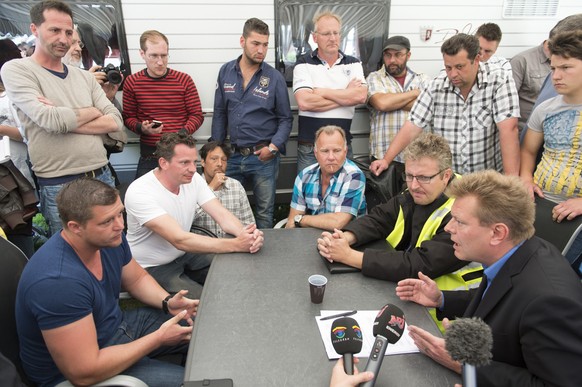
531,298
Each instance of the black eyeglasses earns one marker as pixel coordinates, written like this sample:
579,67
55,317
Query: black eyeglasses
421,179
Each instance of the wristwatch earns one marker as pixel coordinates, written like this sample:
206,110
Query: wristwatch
297,220
272,150
165,304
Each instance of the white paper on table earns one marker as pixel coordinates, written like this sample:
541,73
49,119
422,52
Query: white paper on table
365,319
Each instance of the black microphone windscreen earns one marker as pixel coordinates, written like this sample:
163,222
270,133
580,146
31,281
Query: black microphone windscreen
469,341
346,336
389,323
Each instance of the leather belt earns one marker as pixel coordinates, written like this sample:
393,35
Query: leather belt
65,179
304,143
248,150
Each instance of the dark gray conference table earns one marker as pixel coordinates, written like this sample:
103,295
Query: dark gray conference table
256,325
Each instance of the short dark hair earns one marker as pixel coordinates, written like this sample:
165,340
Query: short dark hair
37,11
489,31
165,147
567,44
570,23
75,201
255,25
8,51
456,43
212,145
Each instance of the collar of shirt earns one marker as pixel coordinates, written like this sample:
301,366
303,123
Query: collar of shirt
482,79
491,271
315,54
410,75
315,178
237,66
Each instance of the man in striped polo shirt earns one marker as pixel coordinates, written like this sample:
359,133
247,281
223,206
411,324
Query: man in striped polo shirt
158,99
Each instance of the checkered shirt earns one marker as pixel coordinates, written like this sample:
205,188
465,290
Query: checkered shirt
344,194
233,197
385,125
469,126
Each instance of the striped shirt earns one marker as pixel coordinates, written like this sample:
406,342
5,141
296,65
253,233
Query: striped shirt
385,125
344,194
469,126
233,197
560,169
172,99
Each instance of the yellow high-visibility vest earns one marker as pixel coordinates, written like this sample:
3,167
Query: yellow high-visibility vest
465,278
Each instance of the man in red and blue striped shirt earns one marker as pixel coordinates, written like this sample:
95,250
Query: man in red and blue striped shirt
161,94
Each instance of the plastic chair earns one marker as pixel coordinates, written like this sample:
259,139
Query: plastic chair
11,267
562,234
281,223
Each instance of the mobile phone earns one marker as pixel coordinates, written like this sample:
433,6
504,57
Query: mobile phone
156,124
209,383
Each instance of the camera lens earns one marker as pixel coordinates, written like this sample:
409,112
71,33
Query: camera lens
114,76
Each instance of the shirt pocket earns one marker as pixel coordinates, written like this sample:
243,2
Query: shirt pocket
483,119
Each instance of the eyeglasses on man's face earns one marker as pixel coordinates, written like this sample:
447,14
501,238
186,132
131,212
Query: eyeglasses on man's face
421,179
397,55
329,34
81,44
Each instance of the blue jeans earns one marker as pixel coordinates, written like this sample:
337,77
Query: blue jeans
575,251
138,323
305,156
186,272
262,176
48,200
144,165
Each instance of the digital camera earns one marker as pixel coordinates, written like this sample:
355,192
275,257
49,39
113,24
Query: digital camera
113,73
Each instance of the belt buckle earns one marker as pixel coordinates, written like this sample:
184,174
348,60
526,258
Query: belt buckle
245,151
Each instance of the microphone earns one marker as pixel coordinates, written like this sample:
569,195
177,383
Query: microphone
388,328
469,341
346,338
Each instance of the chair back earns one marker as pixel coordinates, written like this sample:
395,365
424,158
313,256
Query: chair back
380,189
562,234
11,265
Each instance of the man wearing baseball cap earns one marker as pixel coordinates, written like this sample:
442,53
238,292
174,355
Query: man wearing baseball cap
392,90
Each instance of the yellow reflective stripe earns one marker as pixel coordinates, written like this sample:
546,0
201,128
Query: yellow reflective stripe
455,281
398,232
433,223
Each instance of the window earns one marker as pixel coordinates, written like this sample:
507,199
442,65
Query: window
364,29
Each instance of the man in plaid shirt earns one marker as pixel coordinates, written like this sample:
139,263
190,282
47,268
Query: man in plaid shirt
214,158
472,105
392,91
330,193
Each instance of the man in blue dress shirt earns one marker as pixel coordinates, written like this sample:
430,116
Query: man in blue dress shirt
251,102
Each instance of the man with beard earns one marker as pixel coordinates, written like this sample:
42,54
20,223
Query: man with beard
74,58
214,159
251,100
392,90
472,105
62,108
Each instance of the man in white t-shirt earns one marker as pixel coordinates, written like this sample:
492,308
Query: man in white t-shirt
160,210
